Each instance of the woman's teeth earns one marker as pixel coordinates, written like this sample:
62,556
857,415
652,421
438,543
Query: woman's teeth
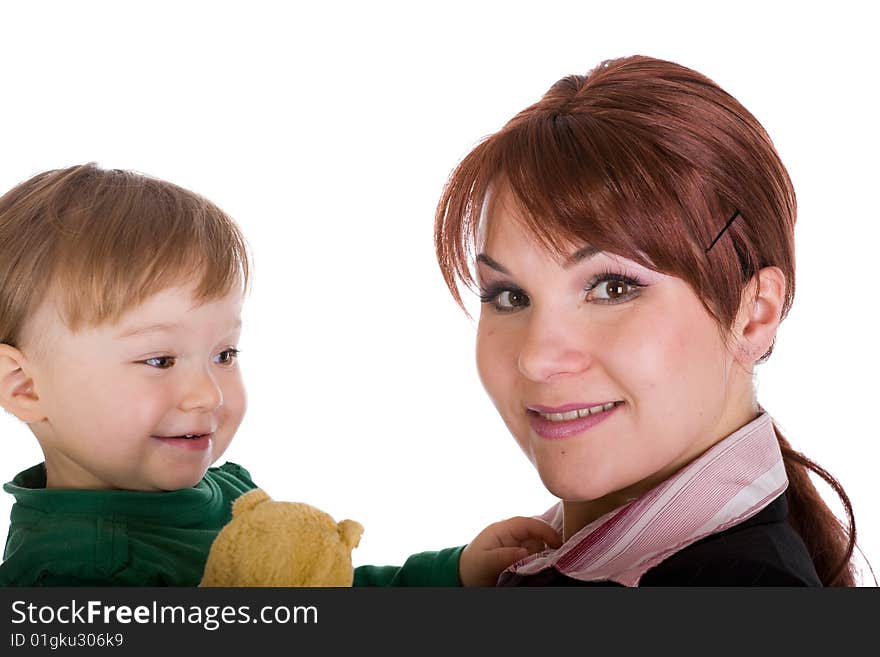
579,412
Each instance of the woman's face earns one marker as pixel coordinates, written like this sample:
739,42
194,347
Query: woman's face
610,376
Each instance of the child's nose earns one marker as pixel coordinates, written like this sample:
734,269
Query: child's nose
202,392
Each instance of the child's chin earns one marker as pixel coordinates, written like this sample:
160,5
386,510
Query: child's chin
179,483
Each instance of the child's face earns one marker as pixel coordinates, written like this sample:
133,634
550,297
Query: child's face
118,398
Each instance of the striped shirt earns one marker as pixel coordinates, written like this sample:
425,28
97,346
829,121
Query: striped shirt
731,482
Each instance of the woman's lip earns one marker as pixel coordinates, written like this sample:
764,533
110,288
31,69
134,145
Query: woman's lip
550,430
537,408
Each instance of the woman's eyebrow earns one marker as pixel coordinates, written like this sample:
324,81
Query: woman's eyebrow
584,253
581,254
489,262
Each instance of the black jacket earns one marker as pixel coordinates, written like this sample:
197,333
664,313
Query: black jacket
761,551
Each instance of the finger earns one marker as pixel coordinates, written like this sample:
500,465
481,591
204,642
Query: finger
490,565
482,567
503,557
521,530
534,545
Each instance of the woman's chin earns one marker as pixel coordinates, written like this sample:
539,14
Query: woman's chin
580,487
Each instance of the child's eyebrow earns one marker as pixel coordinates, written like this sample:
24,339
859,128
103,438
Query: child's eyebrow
152,328
164,327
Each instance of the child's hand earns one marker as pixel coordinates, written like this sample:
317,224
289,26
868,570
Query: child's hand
501,544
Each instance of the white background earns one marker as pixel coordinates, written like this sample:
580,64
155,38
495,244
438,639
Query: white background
328,134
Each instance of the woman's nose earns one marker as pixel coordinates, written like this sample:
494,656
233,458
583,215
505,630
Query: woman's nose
202,392
553,345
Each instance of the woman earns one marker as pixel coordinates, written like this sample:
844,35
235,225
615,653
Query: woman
631,236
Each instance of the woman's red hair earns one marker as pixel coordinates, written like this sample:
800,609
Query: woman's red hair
648,160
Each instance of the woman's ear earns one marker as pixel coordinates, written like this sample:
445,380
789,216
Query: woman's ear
17,393
760,311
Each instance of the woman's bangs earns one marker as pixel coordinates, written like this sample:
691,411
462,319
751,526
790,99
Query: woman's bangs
573,188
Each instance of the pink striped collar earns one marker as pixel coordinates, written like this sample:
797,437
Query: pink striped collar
732,481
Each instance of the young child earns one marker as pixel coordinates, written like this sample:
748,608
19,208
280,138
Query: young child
120,312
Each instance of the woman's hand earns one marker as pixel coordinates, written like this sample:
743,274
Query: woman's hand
501,544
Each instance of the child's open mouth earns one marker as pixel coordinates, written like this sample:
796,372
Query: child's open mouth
196,441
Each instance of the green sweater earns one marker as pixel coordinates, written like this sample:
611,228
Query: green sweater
132,538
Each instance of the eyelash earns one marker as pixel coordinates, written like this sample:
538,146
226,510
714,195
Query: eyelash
632,281
491,294
232,351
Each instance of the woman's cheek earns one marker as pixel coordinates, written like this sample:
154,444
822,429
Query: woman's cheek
496,363
486,368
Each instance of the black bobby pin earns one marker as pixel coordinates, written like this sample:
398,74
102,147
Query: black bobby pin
726,226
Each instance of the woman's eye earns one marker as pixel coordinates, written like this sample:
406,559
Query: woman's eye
227,356
614,289
611,289
504,300
512,299
160,362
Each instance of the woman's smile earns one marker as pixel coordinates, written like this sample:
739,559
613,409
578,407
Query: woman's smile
568,424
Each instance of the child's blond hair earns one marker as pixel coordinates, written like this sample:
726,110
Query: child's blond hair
102,241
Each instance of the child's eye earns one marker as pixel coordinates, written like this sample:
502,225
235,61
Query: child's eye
160,362
227,356
612,288
505,299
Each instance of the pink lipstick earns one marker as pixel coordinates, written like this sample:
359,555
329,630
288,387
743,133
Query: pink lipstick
560,429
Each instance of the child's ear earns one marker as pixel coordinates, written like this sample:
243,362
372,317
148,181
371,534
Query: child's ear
759,315
17,394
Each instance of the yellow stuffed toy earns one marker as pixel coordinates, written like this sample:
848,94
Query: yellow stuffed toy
269,543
